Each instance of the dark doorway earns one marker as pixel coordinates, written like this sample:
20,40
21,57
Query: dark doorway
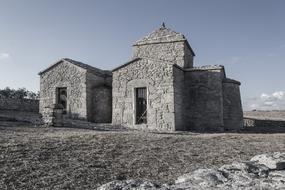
62,98
141,105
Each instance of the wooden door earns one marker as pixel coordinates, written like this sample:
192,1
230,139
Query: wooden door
62,98
141,105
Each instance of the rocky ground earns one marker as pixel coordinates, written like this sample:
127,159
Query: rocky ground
266,171
57,158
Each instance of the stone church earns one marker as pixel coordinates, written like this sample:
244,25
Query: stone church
158,89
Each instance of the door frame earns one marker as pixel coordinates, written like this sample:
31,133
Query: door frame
135,107
57,98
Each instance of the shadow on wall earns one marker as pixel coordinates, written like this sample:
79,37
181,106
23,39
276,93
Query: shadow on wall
101,109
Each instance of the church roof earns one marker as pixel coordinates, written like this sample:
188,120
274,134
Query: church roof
126,64
206,68
228,80
163,35
79,64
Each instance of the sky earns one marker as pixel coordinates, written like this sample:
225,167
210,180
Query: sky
247,37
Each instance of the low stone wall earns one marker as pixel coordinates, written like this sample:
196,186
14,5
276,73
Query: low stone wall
259,125
27,105
252,122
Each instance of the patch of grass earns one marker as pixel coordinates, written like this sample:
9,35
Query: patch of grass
58,158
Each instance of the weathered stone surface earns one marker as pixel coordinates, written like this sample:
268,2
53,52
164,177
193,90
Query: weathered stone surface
66,75
180,97
275,161
99,97
82,82
204,100
165,44
232,107
205,178
247,175
101,106
161,35
252,124
157,77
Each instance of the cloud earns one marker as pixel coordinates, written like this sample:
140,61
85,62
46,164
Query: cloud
4,56
279,95
269,104
274,101
264,96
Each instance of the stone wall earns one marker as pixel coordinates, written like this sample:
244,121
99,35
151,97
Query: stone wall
188,57
204,100
157,77
263,125
101,105
179,97
64,75
233,115
99,98
167,51
26,105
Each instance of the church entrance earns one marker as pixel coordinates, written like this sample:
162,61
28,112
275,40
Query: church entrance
141,105
62,98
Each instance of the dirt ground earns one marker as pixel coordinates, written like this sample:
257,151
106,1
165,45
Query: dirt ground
57,158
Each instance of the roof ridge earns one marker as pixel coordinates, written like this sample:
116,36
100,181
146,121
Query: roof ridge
79,64
161,33
205,68
208,66
230,80
127,63
87,67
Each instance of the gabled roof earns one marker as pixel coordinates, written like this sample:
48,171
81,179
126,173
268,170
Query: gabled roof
79,64
163,35
125,64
